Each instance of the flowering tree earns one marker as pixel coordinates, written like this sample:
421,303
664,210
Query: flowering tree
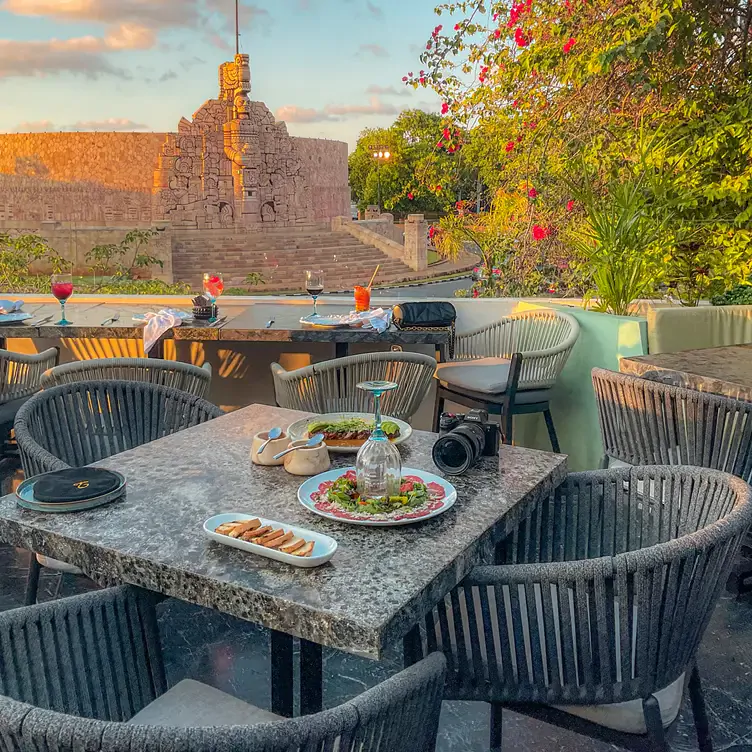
545,85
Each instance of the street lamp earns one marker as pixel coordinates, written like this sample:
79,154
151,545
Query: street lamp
380,155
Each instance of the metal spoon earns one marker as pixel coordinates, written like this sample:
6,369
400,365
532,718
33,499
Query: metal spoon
312,442
274,433
111,320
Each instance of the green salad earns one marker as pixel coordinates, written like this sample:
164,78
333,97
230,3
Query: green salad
344,493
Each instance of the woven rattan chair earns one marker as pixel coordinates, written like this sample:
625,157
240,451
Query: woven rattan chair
330,387
645,422
86,673
77,424
509,367
594,616
172,373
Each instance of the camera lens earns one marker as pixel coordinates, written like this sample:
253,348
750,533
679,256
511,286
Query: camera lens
457,451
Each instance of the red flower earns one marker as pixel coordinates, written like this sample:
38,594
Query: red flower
571,42
447,134
438,189
410,196
514,103
520,38
476,292
570,205
457,27
483,73
404,78
532,193
428,45
509,146
452,149
519,139
422,80
497,33
495,16
568,6
444,108
436,31
439,144
540,233
532,125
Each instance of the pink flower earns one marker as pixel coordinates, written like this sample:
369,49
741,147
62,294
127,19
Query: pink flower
444,108
519,139
571,42
410,196
532,193
509,146
457,27
404,78
428,45
520,38
436,31
540,233
570,205
439,144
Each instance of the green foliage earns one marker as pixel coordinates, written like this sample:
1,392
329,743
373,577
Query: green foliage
738,295
254,278
417,167
18,252
123,286
122,259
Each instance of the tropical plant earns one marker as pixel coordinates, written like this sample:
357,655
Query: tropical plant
739,295
121,259
18,252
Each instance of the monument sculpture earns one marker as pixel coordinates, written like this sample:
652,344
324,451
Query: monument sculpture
232,165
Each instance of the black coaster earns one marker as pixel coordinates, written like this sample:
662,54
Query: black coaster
75,484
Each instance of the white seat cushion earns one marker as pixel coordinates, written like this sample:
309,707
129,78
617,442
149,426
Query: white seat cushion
485,375
57,565
191,704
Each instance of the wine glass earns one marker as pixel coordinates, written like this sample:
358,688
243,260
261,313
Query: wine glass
62,289
314,282
378,467
214,286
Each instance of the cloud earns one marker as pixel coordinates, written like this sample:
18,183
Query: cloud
374,10
130,36
374,49
168,76
111,124
387,91
192,62
295,114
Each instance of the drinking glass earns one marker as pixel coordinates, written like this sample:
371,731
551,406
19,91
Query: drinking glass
62,289
378,468
314,283
214,286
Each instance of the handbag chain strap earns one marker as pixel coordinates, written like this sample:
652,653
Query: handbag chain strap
450,328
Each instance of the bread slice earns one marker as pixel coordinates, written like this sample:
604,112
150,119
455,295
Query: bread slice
292,545
278,541
306,550
264,539
243,527
226,527
257,533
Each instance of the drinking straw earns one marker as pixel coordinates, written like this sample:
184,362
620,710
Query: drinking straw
374,277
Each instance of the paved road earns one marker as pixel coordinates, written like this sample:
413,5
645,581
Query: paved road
428,290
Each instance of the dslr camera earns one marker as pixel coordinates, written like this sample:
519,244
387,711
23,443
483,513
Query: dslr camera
464,440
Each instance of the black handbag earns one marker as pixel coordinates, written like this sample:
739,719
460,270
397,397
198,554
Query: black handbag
424,315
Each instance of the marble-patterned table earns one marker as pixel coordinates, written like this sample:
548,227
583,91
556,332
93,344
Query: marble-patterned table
719,370
244,322
377,587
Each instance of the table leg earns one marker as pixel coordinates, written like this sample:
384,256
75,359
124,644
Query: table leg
282,673
412,647
441,353
3,344
157,350
311,678
341,349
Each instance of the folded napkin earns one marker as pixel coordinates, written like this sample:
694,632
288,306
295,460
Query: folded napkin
9,306
378,319
158,323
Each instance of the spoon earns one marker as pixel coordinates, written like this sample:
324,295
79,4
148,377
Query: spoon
274,433
312,442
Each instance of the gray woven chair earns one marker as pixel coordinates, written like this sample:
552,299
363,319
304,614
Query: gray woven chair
20,377
509,367
172,373
77,424
645,422
593,618
330,387
86,673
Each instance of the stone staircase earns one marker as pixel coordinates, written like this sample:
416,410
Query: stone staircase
281,256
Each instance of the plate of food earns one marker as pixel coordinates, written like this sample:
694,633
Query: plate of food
334,321
274,540
345,433
334,495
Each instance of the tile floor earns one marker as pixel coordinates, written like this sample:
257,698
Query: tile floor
233,655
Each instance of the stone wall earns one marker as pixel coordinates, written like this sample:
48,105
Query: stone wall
325,164
97,178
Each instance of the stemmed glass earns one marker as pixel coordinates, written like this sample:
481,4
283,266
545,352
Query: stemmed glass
214,286
378,467
62,289
314,283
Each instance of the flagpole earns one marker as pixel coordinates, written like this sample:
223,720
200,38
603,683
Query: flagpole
237,27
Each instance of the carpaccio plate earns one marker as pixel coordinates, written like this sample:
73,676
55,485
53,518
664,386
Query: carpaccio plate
442,497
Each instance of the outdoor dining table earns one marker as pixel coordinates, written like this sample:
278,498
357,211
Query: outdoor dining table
380,583
718,370
238,322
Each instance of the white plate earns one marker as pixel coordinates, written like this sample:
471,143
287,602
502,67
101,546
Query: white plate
313,486
323,549
298,429
14,318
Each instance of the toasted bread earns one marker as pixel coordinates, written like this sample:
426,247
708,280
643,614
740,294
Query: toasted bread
306,550
292,545
243,527
264,539
257,533
279,540
226,527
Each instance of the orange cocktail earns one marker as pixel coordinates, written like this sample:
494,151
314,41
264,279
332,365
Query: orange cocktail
362,298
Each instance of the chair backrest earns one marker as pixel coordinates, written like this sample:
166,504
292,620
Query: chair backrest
608,588
172,373
332,386
76,424
644,422
544,337
21,374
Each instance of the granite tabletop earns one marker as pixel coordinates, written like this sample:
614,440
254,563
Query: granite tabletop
379,583
245,322
719,370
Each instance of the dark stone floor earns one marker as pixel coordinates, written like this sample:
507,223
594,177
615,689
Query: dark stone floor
234,656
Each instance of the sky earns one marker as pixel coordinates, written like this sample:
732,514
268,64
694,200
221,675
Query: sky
328,68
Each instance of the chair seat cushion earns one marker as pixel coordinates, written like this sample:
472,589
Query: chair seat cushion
484,375
191,704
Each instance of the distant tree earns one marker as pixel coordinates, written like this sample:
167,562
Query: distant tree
426,171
